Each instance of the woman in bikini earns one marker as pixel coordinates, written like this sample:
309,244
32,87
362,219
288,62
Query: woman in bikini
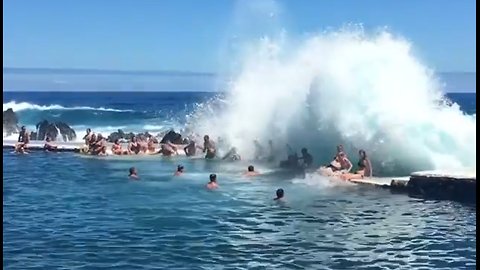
117,148
364,168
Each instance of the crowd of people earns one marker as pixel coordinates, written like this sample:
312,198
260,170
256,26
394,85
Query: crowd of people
96,144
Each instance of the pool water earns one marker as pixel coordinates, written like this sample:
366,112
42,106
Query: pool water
64,211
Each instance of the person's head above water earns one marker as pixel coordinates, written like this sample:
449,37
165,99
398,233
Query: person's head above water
213,178
132,171
179,168
251,168
280,194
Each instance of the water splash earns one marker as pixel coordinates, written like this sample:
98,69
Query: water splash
363,90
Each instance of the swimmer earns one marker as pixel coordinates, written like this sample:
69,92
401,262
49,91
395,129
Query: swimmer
179,170
232,155
280,194
251,171
364,168
133,173
49,146
117,148
213,182
191,149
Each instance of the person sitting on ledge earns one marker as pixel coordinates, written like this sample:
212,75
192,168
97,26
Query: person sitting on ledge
364,168
49,146
21,147
117,148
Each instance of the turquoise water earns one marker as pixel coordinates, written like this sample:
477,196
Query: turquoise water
62,211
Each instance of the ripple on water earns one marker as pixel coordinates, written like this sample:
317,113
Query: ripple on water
85,214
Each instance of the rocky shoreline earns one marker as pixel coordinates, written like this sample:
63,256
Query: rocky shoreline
63,132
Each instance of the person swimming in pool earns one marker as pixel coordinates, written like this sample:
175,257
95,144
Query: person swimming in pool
179,170
208,148
364,168
213,182
132,173
191,149
232,155
251,171
280,194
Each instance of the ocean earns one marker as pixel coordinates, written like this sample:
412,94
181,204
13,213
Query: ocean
364,91
66,211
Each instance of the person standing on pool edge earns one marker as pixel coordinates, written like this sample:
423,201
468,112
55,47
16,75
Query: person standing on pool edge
208,147
213,182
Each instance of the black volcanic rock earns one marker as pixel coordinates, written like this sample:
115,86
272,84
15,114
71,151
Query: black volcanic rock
173,137
54,131
120,134
10,122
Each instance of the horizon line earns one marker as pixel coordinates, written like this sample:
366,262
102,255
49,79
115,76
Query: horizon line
73,71
93,71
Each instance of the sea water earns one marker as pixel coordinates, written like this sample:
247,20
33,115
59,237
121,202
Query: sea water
65,211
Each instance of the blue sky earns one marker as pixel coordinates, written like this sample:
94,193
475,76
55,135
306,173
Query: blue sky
189,34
